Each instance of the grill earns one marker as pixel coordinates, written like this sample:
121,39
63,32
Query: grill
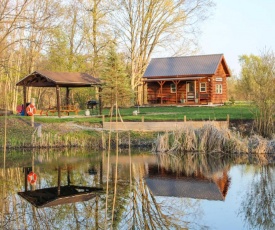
91,104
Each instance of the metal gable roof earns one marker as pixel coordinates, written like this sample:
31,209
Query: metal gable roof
191,188
187,65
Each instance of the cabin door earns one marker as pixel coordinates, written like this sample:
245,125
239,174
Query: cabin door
190,90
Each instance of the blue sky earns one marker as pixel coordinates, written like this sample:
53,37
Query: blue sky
239,27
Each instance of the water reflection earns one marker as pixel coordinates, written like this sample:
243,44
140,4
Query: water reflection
153,192
58,195
189,176
258,205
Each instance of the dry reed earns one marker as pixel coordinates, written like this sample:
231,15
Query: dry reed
49,140
210,139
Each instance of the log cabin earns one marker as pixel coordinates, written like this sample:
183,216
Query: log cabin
187,80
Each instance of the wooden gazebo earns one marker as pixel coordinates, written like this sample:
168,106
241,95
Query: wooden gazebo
43,78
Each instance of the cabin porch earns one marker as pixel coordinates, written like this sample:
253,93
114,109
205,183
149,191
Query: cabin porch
180,92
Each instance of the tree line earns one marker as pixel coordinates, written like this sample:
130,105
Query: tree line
256,85
105,38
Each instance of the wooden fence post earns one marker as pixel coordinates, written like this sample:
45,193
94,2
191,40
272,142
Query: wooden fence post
227,119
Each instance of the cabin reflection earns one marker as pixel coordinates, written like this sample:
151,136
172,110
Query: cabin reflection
164,181
60,194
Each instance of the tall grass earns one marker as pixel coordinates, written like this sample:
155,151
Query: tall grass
80,139
210,139
206,139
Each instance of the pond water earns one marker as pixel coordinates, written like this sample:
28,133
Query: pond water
77,189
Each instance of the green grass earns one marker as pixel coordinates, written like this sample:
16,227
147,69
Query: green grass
173,113
165,113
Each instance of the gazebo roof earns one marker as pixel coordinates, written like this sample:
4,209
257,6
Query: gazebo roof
47,197
44,78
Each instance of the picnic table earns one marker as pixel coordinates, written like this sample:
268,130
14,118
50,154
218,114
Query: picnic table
63,109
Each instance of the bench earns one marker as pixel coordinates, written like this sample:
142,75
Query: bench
152,100
204,97
162,98
69,108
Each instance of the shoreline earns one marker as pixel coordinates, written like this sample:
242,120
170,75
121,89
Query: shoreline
20,135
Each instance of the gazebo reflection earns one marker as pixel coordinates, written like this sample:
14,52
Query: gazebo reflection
60,194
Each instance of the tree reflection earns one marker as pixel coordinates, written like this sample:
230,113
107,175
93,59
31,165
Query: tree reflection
258,206
143,210
136,207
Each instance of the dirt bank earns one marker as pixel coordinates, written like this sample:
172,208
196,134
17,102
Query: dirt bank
20,132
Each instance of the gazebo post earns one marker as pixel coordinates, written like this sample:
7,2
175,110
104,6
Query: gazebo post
67,96
58,100
25,99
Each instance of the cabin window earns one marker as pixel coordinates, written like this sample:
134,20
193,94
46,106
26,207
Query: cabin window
203,87
173,88
219,89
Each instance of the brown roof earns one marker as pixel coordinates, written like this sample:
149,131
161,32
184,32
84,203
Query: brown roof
185,66
44,78
47,197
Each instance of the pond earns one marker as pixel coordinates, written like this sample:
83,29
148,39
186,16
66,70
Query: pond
76,189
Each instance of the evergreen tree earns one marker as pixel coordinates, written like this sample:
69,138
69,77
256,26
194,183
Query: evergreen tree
116,83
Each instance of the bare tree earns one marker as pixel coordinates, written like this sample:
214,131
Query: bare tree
96,30
24,35
145,26
11,18
11,14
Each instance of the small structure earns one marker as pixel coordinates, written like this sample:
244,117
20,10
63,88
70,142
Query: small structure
44,78
190,80
59,195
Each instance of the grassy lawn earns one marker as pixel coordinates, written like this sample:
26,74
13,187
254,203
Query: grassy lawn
164,113
191,113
